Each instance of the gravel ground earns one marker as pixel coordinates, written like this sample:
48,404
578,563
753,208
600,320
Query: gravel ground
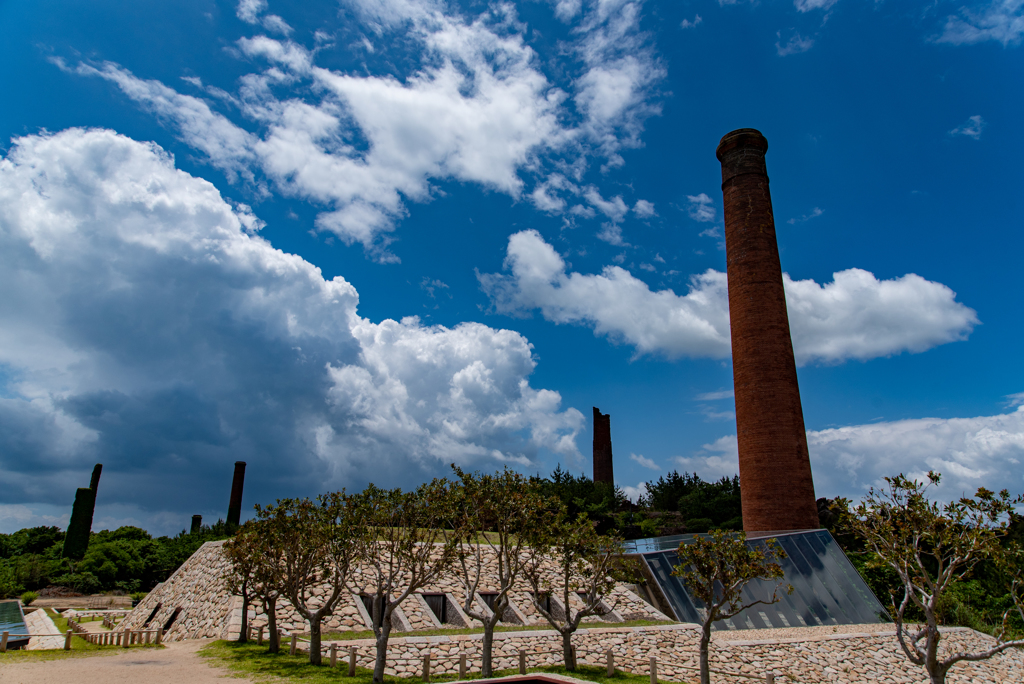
177,663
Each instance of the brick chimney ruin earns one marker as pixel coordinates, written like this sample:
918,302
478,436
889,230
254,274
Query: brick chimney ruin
776,488
603,447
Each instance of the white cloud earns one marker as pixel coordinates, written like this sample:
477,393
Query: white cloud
856,316
634,494
969,452
612,234
687,23
716,395
146,326
701,207
249,11
1001,21
644,461
1014,400
808,5
615,208
644,209
971,128
478,108
794,46
815,213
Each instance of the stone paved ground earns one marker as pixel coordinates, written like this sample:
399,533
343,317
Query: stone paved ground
38,622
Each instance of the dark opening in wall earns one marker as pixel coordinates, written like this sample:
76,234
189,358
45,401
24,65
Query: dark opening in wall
490,599
152,615
545,601
170,620
368,602
438,604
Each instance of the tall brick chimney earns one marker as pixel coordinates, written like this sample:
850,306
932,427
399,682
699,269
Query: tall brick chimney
603,447
235,505
775,471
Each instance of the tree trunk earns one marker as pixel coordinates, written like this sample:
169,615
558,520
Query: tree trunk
567,654
270,606
314,638
382,650
243,635
705,639
487,667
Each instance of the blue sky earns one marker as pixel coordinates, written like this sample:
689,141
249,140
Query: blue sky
357,241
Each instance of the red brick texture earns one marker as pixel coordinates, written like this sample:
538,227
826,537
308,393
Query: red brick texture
775,471
603,447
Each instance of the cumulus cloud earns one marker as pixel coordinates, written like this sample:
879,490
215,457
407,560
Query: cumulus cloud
971,128
644,209
644,461
147,326
794,46
701,207
476,106
687,23
856,316
1000,20
969,452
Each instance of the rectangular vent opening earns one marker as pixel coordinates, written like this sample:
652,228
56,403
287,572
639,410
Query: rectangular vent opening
170,620
152,615
438,604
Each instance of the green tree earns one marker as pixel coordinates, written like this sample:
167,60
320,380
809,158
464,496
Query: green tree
493,511
411,550
587,566
715,568
243,552
319,542
931,547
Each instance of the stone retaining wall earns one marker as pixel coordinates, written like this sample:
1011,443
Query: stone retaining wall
842,658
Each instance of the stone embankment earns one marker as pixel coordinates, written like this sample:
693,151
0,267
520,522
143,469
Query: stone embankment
870,655
195,603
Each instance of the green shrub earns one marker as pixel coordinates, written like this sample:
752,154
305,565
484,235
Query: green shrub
28,597
139,595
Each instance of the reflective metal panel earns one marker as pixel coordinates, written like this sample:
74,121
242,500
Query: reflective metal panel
827,589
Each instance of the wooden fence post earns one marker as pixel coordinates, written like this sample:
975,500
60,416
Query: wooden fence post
426,667
159,636
3,641
654,670
769,678
352,661
295,641
259,637
126,638
610,662
67,640
462,666
334,655
522,662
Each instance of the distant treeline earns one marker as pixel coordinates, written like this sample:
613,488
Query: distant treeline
129,559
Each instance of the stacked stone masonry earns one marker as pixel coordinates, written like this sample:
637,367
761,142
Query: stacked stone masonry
841,658
199,589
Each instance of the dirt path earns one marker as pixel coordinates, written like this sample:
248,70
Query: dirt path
175,664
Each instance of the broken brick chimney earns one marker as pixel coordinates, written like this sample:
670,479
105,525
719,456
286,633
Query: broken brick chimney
776,488
603,447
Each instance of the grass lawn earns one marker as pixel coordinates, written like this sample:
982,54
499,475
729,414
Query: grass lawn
367,634
254,661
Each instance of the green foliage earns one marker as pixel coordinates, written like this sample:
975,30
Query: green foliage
28,597
30,540
715,568
580,494
138,595
703,505
934,549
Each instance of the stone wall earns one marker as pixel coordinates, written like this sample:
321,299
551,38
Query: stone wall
863,658
199,589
